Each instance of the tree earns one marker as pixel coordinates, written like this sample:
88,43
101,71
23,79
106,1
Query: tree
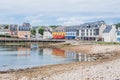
33,31
53,26
6,27
40,31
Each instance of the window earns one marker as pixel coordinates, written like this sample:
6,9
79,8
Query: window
96,31
91,33
118,33
82,34
87,30
82,30
87,33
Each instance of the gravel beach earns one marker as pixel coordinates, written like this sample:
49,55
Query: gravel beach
102,69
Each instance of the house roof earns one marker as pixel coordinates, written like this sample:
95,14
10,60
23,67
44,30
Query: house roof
92,24
95,25
107,29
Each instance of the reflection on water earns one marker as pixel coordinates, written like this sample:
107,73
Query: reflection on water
79,56
22,51
58,52
15,57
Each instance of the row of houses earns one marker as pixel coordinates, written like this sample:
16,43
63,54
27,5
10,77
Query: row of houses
14,30
97,31
93,31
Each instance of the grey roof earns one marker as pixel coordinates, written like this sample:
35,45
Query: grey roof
107,29
95,25
26,24
70,28
13,27
24,28
92,24
86,25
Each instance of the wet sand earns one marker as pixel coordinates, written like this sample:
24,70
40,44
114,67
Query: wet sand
106,68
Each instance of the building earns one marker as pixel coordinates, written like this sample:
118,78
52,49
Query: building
109,33
38,35
118,35
92,31
47,34
71,32
24,31
4,30
13,29
59,33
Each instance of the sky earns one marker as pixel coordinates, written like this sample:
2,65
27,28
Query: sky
59,12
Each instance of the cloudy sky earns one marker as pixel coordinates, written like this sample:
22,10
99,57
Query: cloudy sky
59,12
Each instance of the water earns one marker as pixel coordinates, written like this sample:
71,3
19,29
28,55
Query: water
14,57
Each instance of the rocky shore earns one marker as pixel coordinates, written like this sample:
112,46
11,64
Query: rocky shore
106,68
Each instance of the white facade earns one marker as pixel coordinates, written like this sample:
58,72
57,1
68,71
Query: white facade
38,36
47,35
4,31
92,31
109,34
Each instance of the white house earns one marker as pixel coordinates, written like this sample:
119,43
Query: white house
47,34
92,31
109,34
38,36
4,29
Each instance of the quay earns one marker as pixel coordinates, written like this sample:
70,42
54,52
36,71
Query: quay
31,40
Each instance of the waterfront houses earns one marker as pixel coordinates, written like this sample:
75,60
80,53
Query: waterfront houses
71,32
13,29
92,31
47,34
4,30
24,31
59,33
38,35
109,33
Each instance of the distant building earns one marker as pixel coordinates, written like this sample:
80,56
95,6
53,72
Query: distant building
4,30
13,29
118,35
24,31
109,33
59,33
92,31
38,35
71,32
47,34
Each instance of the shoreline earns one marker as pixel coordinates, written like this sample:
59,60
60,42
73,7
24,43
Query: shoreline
53,72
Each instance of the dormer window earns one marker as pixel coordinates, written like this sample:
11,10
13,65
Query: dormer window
88,26
96,26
